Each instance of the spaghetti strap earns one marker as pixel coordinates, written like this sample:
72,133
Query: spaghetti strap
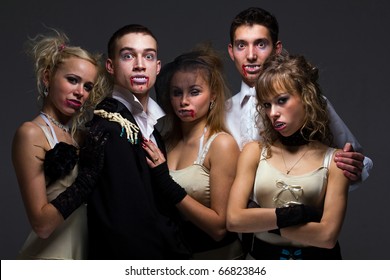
203,150
51,128
201,140
328,157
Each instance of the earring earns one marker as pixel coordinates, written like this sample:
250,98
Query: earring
212,104
45,91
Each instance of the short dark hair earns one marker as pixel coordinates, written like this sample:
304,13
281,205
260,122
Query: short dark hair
255,15
127,29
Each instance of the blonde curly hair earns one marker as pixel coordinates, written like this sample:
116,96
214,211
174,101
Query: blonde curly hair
50,51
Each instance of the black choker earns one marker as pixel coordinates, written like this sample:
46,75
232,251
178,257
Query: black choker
295,139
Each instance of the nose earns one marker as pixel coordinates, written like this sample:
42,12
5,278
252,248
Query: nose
252,54
184,100
274,112
139,64
79,92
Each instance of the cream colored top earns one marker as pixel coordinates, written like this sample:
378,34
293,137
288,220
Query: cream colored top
273,189
195,179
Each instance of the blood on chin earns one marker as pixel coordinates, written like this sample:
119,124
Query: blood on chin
140,89
251,79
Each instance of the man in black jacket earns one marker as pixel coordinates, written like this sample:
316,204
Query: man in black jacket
130,214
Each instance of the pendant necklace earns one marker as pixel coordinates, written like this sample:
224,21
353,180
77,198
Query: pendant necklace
288,170
56,123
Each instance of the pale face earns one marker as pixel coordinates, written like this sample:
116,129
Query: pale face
252,46
135,65
69,87
286,112
190,95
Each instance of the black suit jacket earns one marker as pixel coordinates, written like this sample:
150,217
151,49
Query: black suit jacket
126,218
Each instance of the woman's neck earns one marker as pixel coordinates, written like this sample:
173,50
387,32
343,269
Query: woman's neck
56,115
193,131
299,138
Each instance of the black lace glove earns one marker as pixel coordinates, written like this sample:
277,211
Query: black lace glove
59,161
90,165
296,214
165,185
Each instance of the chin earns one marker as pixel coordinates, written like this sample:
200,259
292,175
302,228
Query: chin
285,134
141,91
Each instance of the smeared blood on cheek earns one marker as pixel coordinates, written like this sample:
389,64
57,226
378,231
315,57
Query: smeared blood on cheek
192,113
243,70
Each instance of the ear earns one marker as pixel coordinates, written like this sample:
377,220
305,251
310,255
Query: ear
109,66
213,97
46,78
278,47
230,51
158,66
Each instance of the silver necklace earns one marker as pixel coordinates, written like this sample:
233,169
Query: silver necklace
288,170
56,123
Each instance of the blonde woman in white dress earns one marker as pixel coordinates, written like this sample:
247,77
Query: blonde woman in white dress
70,81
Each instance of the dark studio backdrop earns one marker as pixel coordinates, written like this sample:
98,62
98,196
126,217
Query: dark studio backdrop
347,40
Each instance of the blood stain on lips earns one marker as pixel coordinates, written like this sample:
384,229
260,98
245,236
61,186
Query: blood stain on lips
244,70
186,113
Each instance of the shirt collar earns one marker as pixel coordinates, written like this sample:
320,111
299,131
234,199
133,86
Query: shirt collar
134,106
246,91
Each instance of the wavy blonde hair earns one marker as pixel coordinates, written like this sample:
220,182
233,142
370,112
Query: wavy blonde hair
49,52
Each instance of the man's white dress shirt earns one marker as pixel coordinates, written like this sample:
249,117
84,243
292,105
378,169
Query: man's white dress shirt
145,120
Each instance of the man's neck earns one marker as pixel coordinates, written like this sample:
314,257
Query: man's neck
248,85
141,98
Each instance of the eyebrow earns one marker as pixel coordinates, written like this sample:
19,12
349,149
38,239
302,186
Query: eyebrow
255,41
132,49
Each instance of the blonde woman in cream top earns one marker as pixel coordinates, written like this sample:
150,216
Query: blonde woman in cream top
45,152
69,240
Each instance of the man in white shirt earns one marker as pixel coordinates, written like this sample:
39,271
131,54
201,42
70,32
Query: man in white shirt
253,38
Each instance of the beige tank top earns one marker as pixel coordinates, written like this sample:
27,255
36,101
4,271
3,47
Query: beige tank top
195,179
273,189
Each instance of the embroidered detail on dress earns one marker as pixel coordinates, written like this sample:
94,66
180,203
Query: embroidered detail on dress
295,190
130,128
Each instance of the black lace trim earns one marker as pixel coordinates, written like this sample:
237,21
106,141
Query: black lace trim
60,161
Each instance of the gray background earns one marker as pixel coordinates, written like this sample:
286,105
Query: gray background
346,39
